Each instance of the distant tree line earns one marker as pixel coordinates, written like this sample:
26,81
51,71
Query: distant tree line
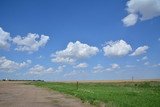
20,80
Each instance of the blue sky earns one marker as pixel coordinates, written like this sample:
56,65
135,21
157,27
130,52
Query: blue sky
79,39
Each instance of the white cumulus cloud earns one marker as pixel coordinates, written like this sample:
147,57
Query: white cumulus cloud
98,68
113,67
129,20
117,48
38,69
4,39
81,65
140,50
7,65
73,52
60,68
141,9
30,43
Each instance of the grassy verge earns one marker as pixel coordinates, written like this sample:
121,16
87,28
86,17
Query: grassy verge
124,94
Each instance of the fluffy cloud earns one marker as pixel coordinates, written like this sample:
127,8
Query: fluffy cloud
140,50
73,52
129,20
10,66
4,39
117,48
81,65
38,69
141,9
98,68
30,43
60,68
113,67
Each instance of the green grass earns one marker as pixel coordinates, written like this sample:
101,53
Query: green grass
124,94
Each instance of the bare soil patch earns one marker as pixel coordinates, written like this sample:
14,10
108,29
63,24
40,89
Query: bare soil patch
17,94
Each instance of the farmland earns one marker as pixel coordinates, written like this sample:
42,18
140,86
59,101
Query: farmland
110,94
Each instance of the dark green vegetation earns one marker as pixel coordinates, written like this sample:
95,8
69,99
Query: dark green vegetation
120,94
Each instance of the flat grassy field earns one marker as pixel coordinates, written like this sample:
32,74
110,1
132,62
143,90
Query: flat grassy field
112,94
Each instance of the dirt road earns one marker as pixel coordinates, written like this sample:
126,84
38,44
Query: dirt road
17,94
